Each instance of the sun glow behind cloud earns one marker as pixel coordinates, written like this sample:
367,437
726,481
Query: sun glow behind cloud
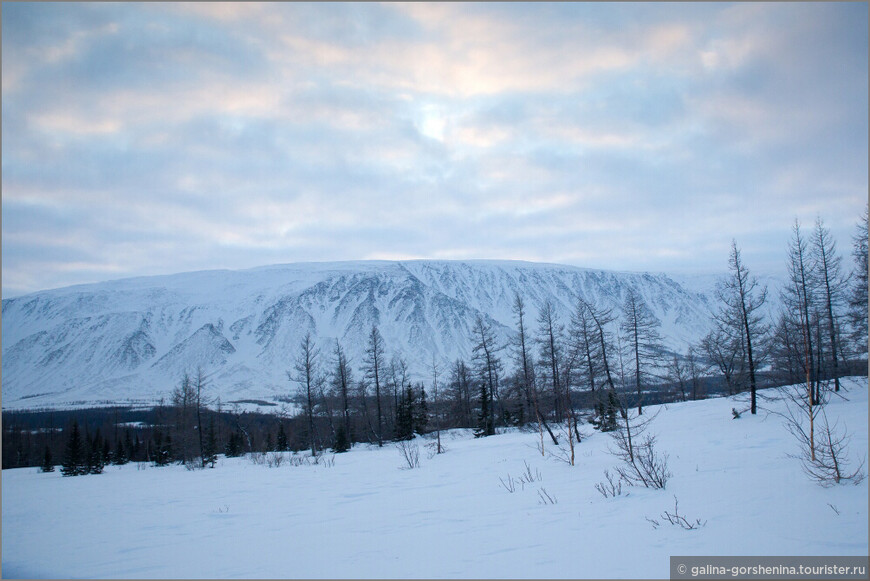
147,138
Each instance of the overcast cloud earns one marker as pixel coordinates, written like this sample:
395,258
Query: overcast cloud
157,138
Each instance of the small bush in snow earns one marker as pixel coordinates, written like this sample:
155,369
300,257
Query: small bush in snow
830,464
645,465
610,488
545,497
274,459
410,453
510,484
676,519
824,452
642,463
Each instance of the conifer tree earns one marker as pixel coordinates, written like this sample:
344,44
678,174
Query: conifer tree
234,445
421,413
47,464
120,456
74,455
405,416
282,438
106,452
485,425
342,443
209,453
95,461
166,453
131,448
162,449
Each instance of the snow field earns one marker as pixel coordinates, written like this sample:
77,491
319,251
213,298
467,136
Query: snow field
368,517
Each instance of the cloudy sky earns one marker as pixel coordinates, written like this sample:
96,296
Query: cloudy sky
156,138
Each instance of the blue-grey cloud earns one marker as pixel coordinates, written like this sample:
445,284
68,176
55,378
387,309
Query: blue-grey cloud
149,138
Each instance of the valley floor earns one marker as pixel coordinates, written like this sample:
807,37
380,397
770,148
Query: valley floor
364,516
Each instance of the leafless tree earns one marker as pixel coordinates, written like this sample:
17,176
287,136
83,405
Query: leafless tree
374,363
831,287
184,401
199,384
342,380
798,298
858,296
641,463
641,330
742,298
526,371
436,409
696,369
601,319
549,341
678,374
824,456
306,374
460,386
582,339
397,379
725,350
487,365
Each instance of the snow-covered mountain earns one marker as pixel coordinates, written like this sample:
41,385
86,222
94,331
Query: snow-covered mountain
132,339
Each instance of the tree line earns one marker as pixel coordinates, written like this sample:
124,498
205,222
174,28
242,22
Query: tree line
553,375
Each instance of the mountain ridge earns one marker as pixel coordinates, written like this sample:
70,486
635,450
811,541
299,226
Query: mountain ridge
131,339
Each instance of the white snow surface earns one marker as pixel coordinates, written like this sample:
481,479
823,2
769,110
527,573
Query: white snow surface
130,341
367,517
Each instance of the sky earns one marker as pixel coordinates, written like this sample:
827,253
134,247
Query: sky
156,138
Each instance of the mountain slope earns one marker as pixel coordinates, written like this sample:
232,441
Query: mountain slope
132,339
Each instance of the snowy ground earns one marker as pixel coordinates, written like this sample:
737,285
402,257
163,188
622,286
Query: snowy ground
367,517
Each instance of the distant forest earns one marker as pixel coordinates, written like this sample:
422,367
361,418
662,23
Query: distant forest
555,377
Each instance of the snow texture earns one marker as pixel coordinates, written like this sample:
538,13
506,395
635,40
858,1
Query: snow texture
130,341
367,517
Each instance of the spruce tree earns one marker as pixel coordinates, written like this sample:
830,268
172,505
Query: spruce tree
106,452
605,411
121,456
129,447
405,416
342,443
166,452
234,445
161,449
47,464
421,413
209,454
282,438
485,424
74,454
95,463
